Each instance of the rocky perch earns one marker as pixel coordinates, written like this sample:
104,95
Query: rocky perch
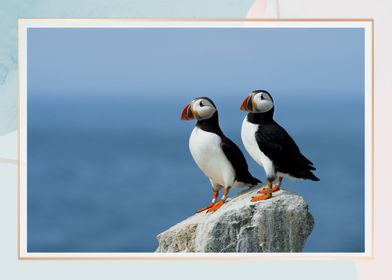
279,224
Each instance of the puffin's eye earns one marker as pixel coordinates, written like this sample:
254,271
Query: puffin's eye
261,96
201,104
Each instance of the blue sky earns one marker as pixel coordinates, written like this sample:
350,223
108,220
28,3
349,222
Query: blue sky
205,61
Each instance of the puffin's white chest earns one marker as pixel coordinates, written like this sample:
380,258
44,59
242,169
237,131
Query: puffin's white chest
248,131
207,152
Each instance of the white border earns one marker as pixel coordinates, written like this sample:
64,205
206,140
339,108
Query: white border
25,24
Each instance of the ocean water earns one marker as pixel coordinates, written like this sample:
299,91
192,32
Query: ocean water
108,173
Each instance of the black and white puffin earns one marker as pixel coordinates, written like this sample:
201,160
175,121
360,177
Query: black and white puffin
270,145
216,155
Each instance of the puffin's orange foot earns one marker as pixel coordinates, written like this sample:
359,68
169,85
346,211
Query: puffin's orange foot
264,196
265,190
205,208
215,207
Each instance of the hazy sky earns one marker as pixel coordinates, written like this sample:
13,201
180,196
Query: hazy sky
201,61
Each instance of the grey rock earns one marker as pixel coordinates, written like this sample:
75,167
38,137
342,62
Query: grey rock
279,224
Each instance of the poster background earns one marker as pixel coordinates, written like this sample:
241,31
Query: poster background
14,269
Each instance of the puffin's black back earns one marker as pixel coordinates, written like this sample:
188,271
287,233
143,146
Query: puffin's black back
230,149
237,159
274,141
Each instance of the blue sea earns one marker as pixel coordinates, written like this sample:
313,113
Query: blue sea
107,173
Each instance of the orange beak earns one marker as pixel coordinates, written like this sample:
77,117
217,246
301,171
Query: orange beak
187,113
247,105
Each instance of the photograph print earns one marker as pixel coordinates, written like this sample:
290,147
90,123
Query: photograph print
196,138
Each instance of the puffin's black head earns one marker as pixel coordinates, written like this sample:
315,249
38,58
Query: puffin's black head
258,101
201,108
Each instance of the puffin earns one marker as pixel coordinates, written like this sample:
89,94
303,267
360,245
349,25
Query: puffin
217,156
270,145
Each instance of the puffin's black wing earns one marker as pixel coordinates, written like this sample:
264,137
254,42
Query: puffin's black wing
277,145
237,159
